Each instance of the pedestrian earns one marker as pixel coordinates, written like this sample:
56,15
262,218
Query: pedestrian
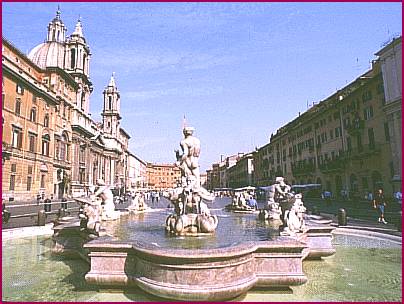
64,203
48,204
379,203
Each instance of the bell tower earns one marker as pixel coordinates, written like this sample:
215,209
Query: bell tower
56,29
111,111
77,63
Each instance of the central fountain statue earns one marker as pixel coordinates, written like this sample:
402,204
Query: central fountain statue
192,216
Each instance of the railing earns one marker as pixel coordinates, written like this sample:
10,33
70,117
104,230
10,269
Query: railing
35,213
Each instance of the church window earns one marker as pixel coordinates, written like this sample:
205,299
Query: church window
84,63
110,102
83,100
72,58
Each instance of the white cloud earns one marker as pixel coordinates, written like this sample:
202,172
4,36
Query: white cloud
176,91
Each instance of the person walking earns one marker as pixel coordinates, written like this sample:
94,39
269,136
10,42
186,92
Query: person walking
379,203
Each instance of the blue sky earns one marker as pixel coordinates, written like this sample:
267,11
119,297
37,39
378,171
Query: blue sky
237,71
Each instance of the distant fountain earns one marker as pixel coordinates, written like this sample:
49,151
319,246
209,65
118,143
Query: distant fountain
192,216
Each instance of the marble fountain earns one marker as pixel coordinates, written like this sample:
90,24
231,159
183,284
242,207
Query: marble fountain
193,252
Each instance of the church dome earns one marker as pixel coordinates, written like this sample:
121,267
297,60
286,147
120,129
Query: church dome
48,54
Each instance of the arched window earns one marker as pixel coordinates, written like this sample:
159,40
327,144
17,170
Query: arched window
72,58
109,102
32,115
46,121
84,63
45,144
83,101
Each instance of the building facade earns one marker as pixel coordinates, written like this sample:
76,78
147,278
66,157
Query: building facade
137,172
350,143
391,64
50,143
163,176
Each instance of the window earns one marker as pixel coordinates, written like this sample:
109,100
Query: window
110,102
30,170
45,145
32,116
82,154
82,175
29,183
366,96
63,148
32,141
46,121
33,98
83,101
17,106
19,89
349,143
387,131
72,58
17,138
368,113
43,180
12,177
336,132
57,147
371,135
12,182
359,143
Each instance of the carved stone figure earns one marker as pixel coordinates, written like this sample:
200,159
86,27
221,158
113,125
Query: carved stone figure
286,206
90,214
105,193
138,203
294,217
192,216
188,162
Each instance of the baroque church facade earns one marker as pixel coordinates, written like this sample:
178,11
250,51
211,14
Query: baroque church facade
50,142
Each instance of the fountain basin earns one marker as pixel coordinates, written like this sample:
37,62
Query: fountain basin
205,275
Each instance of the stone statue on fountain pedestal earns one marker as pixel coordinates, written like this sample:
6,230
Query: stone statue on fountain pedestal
285,207
192,215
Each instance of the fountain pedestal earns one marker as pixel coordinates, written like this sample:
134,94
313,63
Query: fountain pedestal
202,275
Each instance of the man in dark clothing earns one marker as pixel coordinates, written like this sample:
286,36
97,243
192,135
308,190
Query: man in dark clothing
48,205
379,203
64,203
